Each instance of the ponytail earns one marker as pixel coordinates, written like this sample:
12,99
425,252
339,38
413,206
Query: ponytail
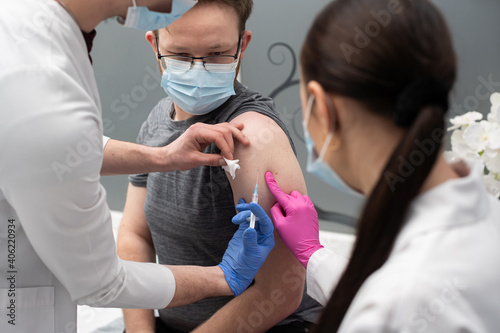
385,210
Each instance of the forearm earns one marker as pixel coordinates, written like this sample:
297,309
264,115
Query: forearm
276,293
193,283
258,311
129,158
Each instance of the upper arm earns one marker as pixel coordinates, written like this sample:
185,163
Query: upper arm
269,150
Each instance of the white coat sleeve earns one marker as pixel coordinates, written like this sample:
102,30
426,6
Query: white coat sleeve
324,270
50,176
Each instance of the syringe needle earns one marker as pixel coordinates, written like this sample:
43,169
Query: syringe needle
255,198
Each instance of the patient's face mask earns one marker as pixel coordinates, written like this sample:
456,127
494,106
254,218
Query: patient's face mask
196,88
143,19
316,164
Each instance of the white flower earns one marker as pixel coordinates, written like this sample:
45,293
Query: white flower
483,136
492,163
461,150
492,185
494,115
476,139
451,158
460,147
465,120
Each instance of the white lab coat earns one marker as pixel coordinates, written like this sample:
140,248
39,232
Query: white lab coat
443,274
50,159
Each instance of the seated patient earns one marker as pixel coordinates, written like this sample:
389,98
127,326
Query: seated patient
184,217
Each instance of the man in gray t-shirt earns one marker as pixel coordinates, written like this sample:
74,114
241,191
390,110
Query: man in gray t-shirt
186,218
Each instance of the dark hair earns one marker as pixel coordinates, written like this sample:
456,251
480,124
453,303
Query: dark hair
395,57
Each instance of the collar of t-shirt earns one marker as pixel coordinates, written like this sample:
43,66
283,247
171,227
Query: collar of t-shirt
89,40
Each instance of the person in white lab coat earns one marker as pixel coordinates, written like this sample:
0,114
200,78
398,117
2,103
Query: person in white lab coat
56,243
375,80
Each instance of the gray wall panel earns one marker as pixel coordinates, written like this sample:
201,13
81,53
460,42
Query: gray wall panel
125,65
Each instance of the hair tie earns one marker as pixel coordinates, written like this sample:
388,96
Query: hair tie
420,93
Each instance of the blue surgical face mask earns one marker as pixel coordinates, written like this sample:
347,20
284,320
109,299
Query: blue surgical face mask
143,19
198,89
316,164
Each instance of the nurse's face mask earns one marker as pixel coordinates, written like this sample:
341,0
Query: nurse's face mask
199,85
141,18
316,164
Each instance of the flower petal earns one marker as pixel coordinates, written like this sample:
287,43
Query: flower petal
467,119
492,185
492,163
474,136
495,98
494,138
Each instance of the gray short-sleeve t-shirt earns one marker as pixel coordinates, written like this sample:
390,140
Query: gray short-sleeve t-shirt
189,212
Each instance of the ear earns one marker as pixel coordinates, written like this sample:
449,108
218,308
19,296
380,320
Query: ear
150,37
322,109
245,40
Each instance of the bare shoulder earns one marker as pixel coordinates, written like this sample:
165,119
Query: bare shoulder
267,138
261,128
269,150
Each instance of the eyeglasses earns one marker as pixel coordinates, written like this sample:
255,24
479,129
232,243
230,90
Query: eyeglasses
207,60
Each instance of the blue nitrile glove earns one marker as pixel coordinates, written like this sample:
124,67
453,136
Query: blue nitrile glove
248,249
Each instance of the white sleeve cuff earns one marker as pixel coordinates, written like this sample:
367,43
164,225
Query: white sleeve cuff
138,286
148,285
324,270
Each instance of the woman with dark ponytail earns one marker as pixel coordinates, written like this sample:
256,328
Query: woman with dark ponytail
375,80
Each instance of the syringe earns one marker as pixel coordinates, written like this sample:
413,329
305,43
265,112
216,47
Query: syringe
255,198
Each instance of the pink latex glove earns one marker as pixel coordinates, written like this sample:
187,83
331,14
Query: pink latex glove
296,220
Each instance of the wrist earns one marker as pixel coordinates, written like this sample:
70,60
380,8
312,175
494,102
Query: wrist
159,159
222,286
307,254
